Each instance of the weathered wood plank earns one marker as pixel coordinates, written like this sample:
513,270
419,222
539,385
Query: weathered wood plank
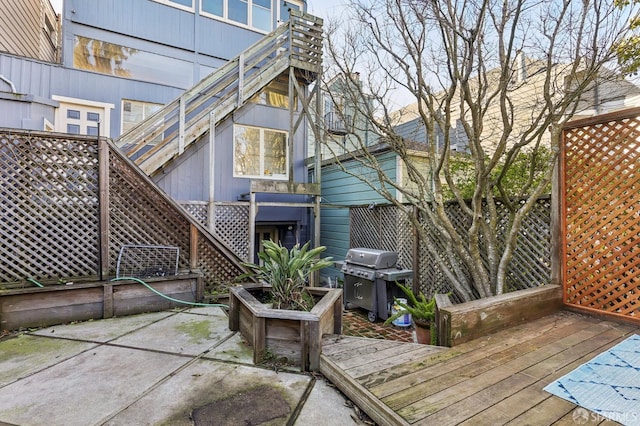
381,355
495,380
375,409
468,321
392,362
342,359
465,364
490,395
466,387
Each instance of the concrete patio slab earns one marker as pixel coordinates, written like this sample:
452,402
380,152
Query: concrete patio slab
205,382
87,388
103,330
234,349
159,368
182,333
24,355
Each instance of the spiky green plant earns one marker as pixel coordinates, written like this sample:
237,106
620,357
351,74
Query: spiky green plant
287,271
421,309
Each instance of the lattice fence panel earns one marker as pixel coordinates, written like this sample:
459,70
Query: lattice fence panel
232,227
231,223
383,228
218,272
139,214
431,277
602,207
197,209
49,207
386,228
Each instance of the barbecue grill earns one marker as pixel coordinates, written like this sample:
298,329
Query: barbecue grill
369,280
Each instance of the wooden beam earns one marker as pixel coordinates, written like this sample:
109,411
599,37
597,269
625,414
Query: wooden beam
103,203
274,187
193,246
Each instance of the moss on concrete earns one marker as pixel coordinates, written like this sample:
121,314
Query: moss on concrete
23,345
198,331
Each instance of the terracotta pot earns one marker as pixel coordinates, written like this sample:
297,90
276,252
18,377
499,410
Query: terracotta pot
423,332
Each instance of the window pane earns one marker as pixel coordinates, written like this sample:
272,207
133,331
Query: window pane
74,129
149,109
93,116
133,112
72,113
113,59
275,153
238,11
261,15
92,130
188,3
214,7
247,151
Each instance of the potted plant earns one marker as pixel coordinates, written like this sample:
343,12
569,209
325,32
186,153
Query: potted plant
291,328
288,272
422,313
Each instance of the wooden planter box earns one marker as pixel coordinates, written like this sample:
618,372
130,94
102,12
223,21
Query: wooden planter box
294,335
58,304
461,323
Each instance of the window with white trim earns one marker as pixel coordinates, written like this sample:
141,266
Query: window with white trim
82,117
133,112
255,14
260,153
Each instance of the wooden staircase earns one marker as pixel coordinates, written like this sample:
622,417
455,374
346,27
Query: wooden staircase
294,47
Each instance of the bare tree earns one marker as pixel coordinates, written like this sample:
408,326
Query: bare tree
501,75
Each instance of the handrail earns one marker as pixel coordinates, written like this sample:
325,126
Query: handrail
181,122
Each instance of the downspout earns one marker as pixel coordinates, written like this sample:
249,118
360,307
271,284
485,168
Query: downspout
9,82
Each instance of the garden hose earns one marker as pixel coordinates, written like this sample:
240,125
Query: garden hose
138,280
31,280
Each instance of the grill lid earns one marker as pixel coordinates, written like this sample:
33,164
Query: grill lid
372,258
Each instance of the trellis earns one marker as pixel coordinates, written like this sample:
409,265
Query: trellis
231,223
600,190
390,228
69,203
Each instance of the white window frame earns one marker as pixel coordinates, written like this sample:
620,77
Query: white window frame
262,174
177,5
103,109
249,24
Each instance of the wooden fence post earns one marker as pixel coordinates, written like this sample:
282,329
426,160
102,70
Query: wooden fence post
103,206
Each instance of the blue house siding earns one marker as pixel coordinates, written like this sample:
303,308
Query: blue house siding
340,190
190,168
168,34
43,80
189,31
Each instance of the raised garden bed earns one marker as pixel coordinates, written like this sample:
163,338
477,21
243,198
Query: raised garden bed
457,324
58,304
295,336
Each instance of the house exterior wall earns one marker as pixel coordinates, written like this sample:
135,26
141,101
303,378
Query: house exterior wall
191,166
341,191
166,35
29,28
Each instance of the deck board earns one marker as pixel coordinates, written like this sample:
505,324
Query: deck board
498,379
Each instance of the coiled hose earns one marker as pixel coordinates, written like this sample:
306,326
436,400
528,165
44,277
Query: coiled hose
139,281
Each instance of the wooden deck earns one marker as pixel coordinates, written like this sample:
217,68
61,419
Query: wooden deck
496,379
